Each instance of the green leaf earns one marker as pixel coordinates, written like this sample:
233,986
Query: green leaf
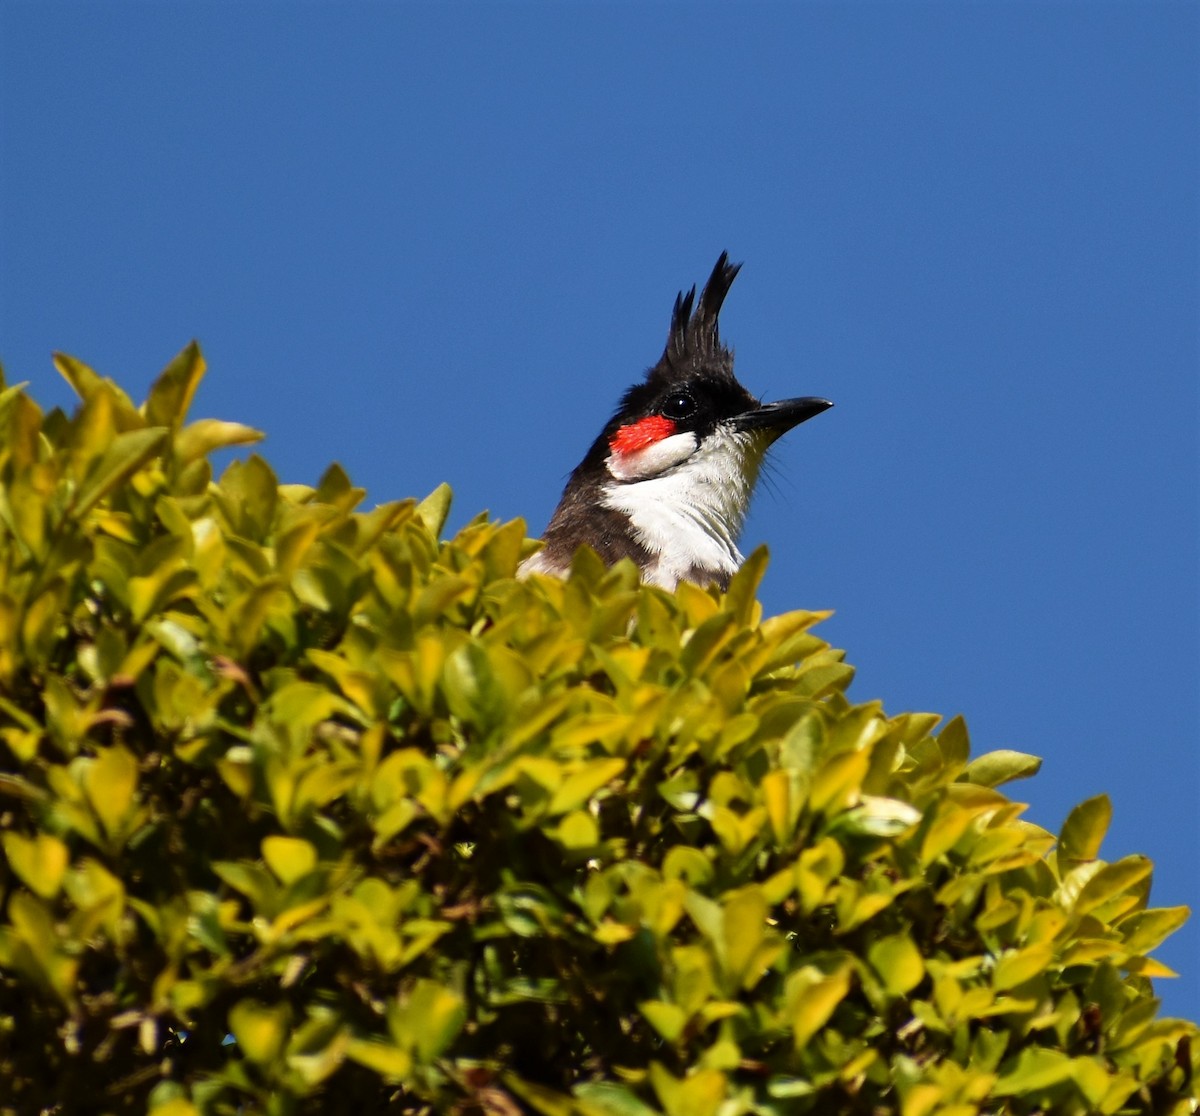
898,962
666,1018
427,1020
434,509
251,881
700,1093
42,956
1003,766
1033,1070
335,489
610,1098
390,1062
1111,881
547,1102
1146,929
955,746
41,626
202,437
290,858
260,1030
110,781
1084,829
24,428
876,817
171,394
481,682
584,782
250,495
40,862
816,869
578,831
127,454
86,382
781,806
93,430
741,598
1016,967
174,1106
503,551
687,864
812,997
746,947
838,781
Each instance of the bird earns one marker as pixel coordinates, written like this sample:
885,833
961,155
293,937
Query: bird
667,483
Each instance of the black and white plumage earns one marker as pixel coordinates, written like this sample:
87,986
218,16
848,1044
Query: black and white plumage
668,481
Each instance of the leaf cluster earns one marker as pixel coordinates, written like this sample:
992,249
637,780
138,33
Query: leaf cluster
307,809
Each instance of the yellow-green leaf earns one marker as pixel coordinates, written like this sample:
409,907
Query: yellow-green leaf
578,830
741,598
898,962
427,1019
1002,766
40,862
812,997
1084,829
777,797
1145,929
127,454
201,437
86,382
434,509
1111,881
171,394
839,781
92,431
585,781
744,925
698,1094
175,1106
1018,966
109,782
955,746
666,1018
289,858
260,1029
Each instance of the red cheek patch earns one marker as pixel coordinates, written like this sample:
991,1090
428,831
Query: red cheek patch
638,435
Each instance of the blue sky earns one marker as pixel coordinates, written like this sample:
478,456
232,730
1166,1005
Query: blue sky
436,242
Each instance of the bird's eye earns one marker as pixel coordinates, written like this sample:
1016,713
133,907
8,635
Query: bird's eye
678,405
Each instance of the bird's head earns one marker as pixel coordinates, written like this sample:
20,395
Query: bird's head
668,481
690,404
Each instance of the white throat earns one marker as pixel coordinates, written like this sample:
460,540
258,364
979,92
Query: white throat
688,514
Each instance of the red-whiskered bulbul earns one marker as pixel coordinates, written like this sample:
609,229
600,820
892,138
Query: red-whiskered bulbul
668,481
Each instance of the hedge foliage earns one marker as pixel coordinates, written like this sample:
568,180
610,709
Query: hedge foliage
306,810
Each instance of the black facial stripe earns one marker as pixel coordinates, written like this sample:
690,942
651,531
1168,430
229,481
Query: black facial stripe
716,398
698,404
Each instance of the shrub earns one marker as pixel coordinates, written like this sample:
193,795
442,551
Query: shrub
306,811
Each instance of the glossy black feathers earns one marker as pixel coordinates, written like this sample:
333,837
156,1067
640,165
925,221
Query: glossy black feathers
694,338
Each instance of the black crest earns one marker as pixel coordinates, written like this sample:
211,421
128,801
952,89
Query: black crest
694,337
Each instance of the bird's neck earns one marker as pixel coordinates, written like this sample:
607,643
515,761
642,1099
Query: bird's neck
688,518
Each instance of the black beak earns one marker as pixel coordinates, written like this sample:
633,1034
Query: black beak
780,417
